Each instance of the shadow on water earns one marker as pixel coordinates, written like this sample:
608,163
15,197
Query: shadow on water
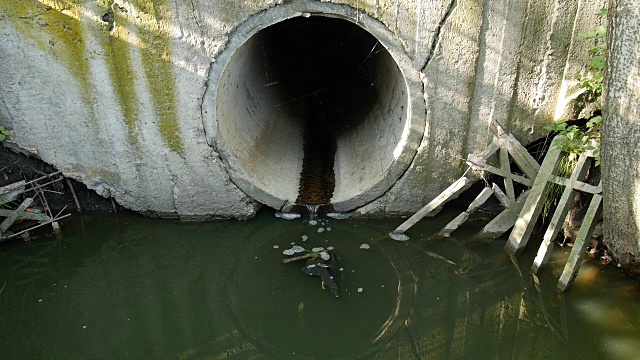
126,286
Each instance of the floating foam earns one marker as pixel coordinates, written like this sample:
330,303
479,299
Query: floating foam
287,216
294,250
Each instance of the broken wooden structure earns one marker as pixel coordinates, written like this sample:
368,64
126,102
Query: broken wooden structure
24,211
521,211
508,148
533,206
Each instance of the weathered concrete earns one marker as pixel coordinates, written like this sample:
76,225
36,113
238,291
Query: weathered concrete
621,136
254,111
117,94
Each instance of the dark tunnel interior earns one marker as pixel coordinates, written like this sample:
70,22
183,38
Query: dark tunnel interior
309,106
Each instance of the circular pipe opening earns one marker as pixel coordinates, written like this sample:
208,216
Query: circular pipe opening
313,110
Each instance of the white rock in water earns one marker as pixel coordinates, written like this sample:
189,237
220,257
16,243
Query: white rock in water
317,249
320,230
339,216
287,216
294,250
398,236
325,256
365,246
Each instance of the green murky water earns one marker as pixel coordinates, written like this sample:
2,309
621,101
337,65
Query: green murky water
123,286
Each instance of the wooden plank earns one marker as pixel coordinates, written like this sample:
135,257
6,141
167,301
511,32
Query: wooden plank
508,182
35,227
494,170
580,245
560,214
9,192
460,219
521,156
505,220
25,215
531,210
451,192
578,185
14,215
484,155
501,196
555,225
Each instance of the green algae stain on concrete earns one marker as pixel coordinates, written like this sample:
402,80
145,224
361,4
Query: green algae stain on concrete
56,27
118,59
156,61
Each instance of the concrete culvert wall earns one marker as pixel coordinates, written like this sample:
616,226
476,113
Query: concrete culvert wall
313,110
124,96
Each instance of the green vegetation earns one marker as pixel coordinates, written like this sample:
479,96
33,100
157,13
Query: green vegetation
4,133
156,60
580,139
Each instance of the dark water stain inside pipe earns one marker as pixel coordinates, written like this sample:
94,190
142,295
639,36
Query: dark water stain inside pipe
326,69
317,179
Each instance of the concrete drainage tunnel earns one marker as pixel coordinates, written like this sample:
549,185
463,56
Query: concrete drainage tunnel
313,111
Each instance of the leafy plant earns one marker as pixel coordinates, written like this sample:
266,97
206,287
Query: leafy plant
592,81
4,133
578,140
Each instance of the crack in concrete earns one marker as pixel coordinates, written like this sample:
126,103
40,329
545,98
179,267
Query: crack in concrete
434,45
195,18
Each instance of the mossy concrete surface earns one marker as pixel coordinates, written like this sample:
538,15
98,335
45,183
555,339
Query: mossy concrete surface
111,92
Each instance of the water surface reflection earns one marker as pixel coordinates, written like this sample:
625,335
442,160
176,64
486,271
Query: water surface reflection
130,287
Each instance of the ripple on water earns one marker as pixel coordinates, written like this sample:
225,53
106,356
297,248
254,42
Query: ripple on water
268,310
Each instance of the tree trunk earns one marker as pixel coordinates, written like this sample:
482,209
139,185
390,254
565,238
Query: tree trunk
621,135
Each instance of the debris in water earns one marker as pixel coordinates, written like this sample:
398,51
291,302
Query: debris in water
304,237
365,246
301,307
320,230
338,216
287,216
359,290
294,250
317,249
319,263
325,272
328,229
275,246
313,222
329,247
